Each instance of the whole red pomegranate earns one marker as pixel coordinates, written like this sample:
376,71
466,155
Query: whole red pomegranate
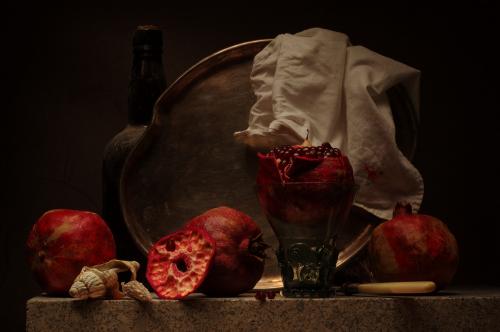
297,184
413,247
239,257
62,241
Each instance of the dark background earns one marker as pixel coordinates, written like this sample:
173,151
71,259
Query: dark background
65,73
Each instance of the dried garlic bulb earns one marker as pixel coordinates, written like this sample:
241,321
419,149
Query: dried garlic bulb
93,283
102,280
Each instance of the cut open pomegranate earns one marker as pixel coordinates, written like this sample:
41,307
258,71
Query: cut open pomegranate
178,263
298,183
304,163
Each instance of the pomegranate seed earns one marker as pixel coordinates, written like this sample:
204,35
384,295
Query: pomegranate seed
271,295
260,295
284,154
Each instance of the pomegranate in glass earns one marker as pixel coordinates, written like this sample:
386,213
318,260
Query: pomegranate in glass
306,193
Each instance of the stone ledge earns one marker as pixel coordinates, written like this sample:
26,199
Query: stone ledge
457,310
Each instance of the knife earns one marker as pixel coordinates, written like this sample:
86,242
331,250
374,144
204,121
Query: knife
397,288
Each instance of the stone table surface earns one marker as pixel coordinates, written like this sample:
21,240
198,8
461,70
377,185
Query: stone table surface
454,310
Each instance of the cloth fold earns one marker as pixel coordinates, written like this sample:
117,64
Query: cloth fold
315,82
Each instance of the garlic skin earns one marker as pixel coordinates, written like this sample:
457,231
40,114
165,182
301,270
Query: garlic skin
137,290
102,281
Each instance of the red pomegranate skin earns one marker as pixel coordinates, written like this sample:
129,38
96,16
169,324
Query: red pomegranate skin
413,247
303,191
62,241
336,169
239,258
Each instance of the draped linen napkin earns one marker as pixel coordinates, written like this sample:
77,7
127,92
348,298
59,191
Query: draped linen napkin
315,82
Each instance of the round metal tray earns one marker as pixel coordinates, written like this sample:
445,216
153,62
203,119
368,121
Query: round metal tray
187,161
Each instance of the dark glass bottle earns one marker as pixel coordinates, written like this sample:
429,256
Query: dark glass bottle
147,82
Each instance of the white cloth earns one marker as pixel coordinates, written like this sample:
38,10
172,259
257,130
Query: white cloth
315,81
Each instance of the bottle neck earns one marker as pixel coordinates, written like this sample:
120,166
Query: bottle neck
147,82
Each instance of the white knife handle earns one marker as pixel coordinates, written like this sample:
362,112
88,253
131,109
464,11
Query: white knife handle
406,287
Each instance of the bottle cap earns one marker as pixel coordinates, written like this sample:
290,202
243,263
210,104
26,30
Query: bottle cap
148,37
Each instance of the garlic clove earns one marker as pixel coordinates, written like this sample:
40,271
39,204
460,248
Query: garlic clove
137,290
